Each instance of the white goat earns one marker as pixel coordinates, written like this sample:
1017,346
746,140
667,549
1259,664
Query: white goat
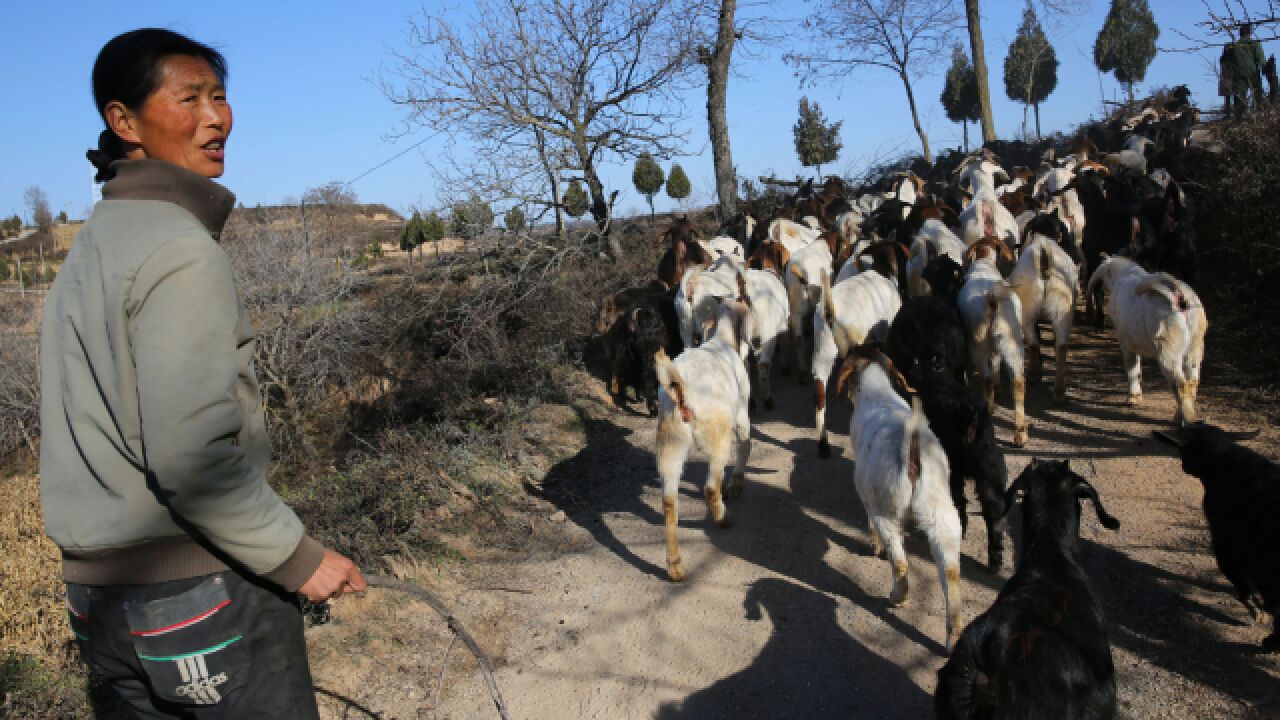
902,467
1045,280
791,235
986,216
769,322
992,314
1158,316
702,400
852,312
723,245
766,301
933,240
803,291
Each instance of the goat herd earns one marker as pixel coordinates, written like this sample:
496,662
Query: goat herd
912,286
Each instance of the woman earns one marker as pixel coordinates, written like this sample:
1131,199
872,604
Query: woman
181,563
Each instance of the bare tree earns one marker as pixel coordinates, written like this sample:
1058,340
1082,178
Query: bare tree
1221,25
19,390
579,80
38,206
905,37
308,330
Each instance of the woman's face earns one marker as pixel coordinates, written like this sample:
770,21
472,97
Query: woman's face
187,119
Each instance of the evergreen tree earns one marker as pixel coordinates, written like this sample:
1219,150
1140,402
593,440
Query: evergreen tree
514,220
1126,44
960,93
817,141
677,183
411,235
433,229
647,177
575,200
1031,68
470,218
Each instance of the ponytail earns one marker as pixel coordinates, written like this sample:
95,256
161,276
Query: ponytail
109,149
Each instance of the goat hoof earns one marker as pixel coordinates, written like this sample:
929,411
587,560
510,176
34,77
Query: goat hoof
725,521
734,488
675,570
1020,437
1060,396
824,449
1135,399
768,405
898,597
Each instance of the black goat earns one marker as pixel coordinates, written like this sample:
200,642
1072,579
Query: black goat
631,343
1112,227
927,330
1173,247
1241,504
1041,650
959,417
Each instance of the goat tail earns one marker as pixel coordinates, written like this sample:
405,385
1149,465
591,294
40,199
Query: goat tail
1170,288
743,296
995,296
911,443
671,381
1045,261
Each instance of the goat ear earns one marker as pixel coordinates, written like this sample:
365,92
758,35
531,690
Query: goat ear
1242,434
1083,489
1175,440
633,320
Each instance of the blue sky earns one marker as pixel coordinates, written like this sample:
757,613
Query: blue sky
308,109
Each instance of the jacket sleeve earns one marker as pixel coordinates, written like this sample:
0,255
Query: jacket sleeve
184,314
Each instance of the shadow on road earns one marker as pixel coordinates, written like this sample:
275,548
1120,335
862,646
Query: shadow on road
810,668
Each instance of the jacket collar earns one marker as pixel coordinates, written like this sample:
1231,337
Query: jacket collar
150,179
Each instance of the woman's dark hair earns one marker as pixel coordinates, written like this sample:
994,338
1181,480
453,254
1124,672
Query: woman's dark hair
128,70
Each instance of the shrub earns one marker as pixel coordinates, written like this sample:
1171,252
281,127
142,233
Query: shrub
1236,211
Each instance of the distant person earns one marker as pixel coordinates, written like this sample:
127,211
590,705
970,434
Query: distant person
1246,67
181,563
1226,79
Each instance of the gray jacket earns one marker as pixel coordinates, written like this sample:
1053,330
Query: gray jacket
154,454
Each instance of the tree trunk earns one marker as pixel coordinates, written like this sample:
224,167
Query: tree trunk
1025,108
980,69
717,63
915,118
554,178
599,205
1129,89
651,218
965,125
1037,106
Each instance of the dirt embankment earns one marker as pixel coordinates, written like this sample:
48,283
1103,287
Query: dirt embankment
785,614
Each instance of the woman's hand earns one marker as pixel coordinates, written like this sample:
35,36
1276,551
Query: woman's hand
336,576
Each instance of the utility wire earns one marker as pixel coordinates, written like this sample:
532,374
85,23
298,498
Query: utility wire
389,160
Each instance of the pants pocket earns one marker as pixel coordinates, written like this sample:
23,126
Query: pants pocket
189,645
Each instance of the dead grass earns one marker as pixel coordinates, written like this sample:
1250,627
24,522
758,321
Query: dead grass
40,674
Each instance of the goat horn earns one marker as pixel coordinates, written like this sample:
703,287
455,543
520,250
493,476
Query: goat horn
1173,440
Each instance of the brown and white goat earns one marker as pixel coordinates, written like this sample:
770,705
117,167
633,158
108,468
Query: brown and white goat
703,399
901,467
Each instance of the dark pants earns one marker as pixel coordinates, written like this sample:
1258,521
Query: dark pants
218,646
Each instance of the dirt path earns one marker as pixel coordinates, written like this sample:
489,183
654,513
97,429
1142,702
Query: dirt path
785,615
